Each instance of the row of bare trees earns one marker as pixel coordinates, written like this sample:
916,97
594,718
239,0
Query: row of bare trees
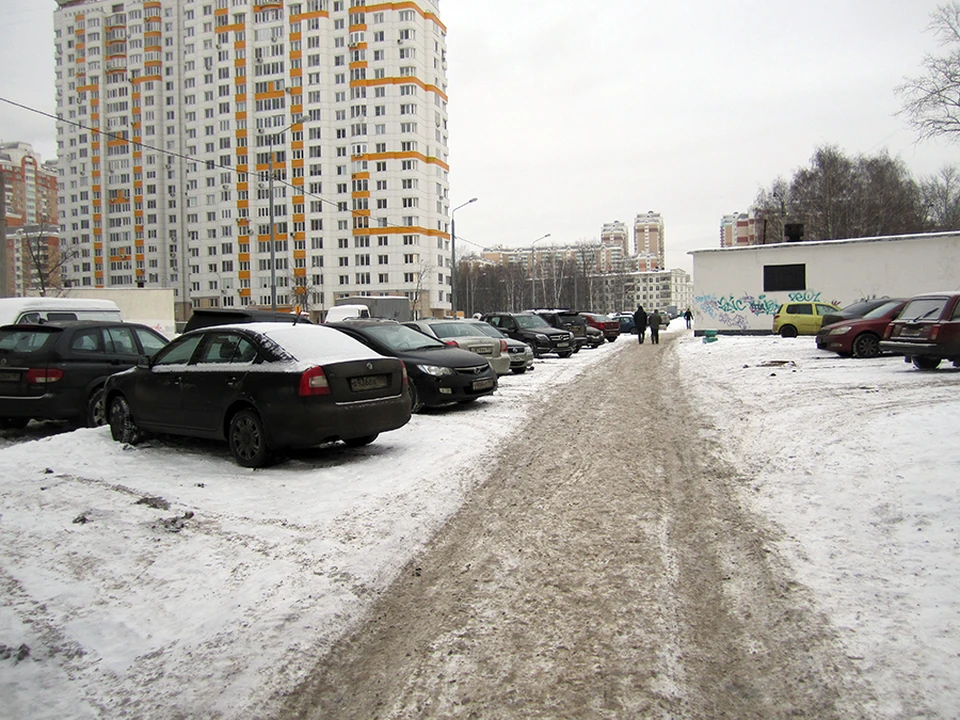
865,196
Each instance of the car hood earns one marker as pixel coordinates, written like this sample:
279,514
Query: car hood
445,357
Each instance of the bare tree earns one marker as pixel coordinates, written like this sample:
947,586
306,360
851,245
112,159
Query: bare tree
44,261
931,101
941,198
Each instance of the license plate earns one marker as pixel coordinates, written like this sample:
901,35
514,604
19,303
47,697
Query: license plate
910,332
483,351
369,382
9,377
482,384
563,344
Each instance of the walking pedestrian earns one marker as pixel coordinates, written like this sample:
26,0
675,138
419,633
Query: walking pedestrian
688,316
640,320
655,320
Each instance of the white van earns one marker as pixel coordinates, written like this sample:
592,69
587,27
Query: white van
346,312
46,309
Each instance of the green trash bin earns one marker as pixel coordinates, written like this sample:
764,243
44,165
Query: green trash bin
709,336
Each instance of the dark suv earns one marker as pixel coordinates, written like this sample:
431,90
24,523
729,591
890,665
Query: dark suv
207,317
927,330
56,371
532,329
567,320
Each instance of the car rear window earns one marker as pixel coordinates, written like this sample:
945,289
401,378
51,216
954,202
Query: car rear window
27,340
923,309
800,309
453,330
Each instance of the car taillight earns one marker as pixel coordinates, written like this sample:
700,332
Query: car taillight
888,332
934,332
451,343
503,346
40,376
314,382
403,371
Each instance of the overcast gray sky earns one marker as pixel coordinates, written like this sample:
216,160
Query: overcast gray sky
566,114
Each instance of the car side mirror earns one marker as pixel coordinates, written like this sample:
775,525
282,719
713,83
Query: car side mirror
143,362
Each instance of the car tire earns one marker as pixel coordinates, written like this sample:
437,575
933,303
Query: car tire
96,409
518,371
123,428
13,423
247,438
788,331
611,339
361,441
926,363
866,345
416,404
565,353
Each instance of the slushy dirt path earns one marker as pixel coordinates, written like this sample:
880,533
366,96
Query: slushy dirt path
605,570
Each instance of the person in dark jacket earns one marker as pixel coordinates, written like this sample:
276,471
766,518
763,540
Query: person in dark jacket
640,320
688,316
655,320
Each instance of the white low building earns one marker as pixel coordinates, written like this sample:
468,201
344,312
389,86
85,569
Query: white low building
738,290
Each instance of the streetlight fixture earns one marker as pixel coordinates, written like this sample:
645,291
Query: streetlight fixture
453,256
273,230
533,271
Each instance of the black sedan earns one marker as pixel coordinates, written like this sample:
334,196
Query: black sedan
439,374
56,371
262,387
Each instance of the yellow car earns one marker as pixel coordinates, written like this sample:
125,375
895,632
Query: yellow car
802,318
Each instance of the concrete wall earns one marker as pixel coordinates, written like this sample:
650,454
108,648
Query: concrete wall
153,307
729,294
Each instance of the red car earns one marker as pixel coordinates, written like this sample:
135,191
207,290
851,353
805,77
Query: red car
860,337
604,323
927,331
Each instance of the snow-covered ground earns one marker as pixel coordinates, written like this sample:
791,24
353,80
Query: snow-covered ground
164,579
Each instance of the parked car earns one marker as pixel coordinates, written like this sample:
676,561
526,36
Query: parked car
854,311
520,354
860,336
56,371
535,331
594,337
627,325
209,317
439,374
927,330
263,388
803,318
567,320
604,323
463,334
59,310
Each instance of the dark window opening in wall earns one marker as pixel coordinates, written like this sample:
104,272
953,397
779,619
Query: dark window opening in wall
784,278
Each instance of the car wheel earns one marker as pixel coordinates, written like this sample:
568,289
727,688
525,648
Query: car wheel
123,428
788,331
926,363
611,339
565,353
416,404
361,441
519,371
248,440
13,423
96,410
866,345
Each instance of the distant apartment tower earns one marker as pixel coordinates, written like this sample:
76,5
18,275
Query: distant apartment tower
648,239
29,262
255,152
738,229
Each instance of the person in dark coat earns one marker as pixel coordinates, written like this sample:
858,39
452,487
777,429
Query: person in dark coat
640,320
655,320
688,316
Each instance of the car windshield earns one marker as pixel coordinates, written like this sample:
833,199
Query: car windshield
454,329
26,340
487,329
531,321
923,309
857,309
400,338
879,312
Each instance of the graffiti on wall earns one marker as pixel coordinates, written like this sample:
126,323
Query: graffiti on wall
732,311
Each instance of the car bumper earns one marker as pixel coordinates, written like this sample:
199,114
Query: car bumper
913,349
435,391
311,426
48,406
501,365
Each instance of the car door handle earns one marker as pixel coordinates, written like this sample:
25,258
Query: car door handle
233,382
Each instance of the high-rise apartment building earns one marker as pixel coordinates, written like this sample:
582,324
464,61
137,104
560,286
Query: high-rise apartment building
255,152
30,257
648,239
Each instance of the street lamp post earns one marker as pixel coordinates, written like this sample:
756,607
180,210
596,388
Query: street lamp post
533,271
273,230
453,256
